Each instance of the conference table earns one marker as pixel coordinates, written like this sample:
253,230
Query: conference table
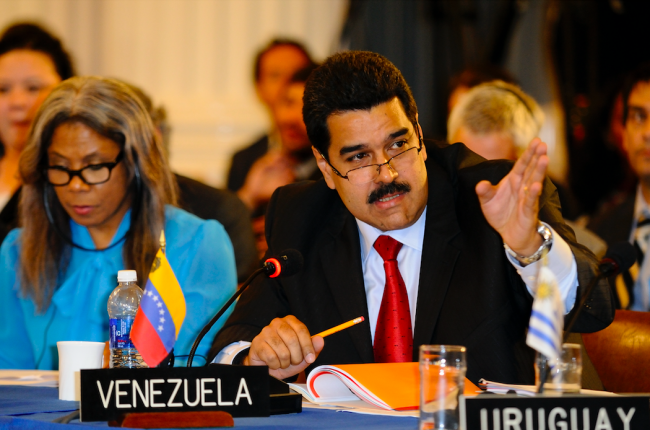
28,407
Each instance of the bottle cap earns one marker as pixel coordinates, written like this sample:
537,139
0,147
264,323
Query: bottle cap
127,276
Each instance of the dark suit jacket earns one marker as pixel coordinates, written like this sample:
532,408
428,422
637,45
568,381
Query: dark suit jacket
243,160
469,293
614,225
224,206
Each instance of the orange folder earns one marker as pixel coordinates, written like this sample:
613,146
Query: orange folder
387,385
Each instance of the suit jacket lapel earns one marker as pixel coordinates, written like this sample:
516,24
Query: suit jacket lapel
347,286
439,254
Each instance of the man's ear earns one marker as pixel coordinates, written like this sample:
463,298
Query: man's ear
424,148
324,167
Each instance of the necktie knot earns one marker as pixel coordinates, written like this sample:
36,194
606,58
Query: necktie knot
387,247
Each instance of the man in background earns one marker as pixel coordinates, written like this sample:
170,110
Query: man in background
496,120
257,170
629,219
290,162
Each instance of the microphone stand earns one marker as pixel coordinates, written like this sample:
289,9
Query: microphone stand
223,309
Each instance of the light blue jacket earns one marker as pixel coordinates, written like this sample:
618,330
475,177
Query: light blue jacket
199,252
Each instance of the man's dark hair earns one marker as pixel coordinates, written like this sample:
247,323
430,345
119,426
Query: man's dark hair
640,74
275,43
353,80
34,38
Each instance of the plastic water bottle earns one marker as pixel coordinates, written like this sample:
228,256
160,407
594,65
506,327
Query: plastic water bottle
122,306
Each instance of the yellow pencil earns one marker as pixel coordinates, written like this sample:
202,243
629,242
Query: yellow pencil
340,327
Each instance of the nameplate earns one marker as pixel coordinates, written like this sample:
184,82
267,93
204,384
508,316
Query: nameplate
567,412
107,394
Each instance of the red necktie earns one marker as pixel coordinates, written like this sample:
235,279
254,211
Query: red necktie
393,335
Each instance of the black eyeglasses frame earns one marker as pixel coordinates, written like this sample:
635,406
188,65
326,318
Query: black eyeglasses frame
73,173
387,162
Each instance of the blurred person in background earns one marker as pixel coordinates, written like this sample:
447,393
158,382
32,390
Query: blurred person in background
291,162
628,220
497,120
207,202
32,63
600,175
268,163
98,191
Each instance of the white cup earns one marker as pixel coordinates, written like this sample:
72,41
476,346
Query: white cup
74,356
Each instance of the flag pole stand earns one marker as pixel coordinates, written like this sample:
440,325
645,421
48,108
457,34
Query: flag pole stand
543,376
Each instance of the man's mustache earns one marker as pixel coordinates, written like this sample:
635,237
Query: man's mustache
386,189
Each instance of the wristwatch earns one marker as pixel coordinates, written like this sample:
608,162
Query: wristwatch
547,242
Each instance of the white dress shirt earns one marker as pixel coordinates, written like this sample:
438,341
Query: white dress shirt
560,260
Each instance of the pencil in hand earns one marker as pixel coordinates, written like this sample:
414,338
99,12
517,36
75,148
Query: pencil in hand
340,327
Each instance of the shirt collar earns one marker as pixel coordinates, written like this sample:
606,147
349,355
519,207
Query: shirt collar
412,236
81,235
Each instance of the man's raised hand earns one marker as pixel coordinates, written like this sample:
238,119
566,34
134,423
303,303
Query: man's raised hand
511,207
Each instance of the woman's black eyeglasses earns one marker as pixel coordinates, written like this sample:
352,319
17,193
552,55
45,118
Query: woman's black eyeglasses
93,174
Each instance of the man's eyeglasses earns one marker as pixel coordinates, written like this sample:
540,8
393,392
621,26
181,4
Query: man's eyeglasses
401,161
93,174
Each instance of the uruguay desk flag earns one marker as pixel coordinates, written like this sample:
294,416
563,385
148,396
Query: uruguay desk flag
547,318
160,315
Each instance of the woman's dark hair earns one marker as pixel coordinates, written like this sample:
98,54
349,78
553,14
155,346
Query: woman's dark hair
347,81
33,37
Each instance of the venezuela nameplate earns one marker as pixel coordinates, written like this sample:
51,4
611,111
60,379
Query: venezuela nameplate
567,412
242,391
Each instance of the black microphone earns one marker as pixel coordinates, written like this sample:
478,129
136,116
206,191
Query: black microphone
619,258
288,263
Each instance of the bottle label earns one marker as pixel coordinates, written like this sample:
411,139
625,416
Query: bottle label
120,331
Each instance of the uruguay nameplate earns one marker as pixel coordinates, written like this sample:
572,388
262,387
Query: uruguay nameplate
107,394
568,412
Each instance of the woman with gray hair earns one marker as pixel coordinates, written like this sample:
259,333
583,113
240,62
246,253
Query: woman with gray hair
97,193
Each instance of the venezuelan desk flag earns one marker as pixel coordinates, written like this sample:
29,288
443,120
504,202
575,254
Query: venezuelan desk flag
547,318
160,315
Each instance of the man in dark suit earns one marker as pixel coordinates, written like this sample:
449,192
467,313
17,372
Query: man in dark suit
459,285
626,219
